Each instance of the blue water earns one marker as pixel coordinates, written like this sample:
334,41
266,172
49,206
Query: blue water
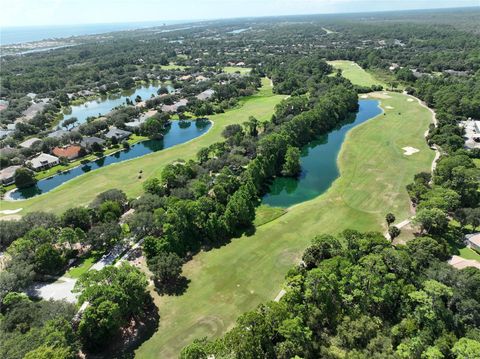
104,105
21,34
178,133
319,164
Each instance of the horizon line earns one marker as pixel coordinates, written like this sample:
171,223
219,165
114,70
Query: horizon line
195,20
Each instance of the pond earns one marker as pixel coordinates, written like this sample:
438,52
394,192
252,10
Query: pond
104,105
179,132
319,163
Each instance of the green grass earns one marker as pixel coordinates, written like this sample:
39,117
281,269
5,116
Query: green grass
125,175
265,214
235,278
233,69
469,253
83,267
477,162
356,74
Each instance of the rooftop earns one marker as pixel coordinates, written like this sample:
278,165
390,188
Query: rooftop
72,151
28,143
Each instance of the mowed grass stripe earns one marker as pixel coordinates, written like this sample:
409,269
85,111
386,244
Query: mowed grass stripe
230,280
125,175
358,76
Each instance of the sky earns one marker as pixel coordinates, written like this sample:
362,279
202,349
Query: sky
64,12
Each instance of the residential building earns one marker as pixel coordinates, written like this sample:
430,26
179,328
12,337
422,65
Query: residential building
473,241
7,175
205,95
42,161
87,142
58,134
175,106
29,143
472,133
117,133
70,152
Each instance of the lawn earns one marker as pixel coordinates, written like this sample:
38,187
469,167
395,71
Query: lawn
235,278
125,175
84,265
233,69
469,253
358,76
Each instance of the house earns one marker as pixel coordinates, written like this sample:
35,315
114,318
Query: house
87,142
473,241
117,133
393,66
185,78
472,133
241,63
29,143
7,175
70,152
34,108
43,161
5,133
58,134
175,106
205,95
201,78
138,121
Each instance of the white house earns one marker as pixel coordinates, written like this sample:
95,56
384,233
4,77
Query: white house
42,161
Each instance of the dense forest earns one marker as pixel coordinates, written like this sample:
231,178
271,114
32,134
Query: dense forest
356,296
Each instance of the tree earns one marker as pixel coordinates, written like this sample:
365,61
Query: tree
49,352
24,178
69,122
291,165
48,260
393,232
390,218
104,235
99,323
77,217
166,267
153,128
109,211
433,221
466,349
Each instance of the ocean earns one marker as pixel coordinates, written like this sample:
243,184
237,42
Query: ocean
17,35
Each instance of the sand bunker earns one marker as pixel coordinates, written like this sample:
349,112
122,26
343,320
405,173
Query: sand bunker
410,99
379,95
389,107
10,211
410,150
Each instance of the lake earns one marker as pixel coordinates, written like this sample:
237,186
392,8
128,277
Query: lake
104,105
179,132
319,163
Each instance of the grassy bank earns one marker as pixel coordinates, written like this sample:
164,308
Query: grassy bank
228,281
125,175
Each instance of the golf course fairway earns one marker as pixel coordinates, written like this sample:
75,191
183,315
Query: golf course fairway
226,282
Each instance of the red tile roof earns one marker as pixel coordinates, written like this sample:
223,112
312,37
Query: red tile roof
69,152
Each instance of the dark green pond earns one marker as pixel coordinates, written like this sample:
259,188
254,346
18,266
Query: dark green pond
319,164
